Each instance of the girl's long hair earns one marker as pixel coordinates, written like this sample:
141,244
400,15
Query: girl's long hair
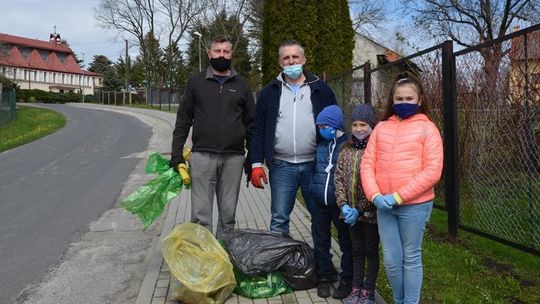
407,78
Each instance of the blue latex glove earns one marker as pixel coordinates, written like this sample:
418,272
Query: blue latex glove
350,214
390,200
381,202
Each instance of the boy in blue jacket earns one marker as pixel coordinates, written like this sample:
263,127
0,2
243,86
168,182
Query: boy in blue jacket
331,127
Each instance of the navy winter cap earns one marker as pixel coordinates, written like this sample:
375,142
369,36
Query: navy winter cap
331,116
364,112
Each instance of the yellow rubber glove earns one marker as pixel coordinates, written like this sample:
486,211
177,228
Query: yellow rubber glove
184,174
186,153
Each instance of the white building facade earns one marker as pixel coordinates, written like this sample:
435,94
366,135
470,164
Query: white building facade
44,65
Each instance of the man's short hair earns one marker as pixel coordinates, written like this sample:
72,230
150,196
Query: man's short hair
291,42
219,39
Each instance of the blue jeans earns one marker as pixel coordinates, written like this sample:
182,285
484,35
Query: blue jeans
285,179
401,230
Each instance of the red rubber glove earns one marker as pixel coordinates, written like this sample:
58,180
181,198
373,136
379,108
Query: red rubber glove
256,174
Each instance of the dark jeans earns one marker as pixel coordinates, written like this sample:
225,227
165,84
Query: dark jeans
365,240
322,221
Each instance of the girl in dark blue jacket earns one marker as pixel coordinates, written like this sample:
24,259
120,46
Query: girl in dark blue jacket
332,130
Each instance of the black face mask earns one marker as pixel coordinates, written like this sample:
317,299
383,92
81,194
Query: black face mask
220,64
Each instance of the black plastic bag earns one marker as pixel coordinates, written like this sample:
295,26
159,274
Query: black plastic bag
259,252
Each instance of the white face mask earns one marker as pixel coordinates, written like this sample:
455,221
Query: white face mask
361,135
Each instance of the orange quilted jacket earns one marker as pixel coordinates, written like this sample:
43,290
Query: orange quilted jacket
403,156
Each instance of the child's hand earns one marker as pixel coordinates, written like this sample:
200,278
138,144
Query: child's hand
390,200
350,214
383,202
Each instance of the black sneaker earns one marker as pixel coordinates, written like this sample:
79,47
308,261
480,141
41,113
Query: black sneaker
323,290
343,290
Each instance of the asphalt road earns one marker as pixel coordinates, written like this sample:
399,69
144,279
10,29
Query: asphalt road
53,188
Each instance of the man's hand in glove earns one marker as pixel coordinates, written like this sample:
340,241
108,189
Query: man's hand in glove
184,174
256,174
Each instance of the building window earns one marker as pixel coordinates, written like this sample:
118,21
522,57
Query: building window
25,75
45,76
71,80
35,76
3,71
14,73
54,77
63,78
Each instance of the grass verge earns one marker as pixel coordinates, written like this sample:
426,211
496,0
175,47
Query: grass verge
31,123
471,270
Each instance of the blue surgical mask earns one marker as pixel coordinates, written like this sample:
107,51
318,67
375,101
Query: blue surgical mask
328,133
293,71
405,110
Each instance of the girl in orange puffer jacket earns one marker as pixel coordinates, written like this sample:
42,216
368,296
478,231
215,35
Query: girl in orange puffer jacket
401,165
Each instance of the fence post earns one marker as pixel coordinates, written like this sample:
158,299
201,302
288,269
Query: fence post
451,172
170,90
12,103
530,148
367,82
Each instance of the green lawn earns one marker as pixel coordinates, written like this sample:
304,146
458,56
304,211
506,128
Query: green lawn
31,123
471,270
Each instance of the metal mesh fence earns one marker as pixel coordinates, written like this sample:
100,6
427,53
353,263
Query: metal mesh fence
349,87
499,136
498,127
8,110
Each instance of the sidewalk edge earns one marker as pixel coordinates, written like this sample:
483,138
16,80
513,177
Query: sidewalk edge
150,278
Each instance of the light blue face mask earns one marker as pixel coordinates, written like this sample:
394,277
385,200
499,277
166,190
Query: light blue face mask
293,71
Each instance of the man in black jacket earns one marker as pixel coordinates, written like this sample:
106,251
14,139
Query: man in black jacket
218,104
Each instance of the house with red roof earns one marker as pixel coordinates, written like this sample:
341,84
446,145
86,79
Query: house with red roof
44,65
524,80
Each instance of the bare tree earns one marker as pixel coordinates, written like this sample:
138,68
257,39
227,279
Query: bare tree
164,19
179,16
238,9
470,22
366,14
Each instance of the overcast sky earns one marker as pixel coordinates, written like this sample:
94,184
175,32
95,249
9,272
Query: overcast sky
74,20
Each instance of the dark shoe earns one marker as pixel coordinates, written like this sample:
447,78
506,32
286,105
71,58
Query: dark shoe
343,290
323,290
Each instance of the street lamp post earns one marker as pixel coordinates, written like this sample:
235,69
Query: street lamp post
200,36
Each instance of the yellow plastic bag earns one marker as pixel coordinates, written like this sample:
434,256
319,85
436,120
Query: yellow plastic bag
199,263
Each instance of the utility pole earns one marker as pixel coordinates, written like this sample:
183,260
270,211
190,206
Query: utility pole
126,74
82,80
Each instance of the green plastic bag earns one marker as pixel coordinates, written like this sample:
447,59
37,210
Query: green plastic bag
260,287
149,200
156,163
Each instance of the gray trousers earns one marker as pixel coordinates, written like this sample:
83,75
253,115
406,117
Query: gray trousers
219,175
